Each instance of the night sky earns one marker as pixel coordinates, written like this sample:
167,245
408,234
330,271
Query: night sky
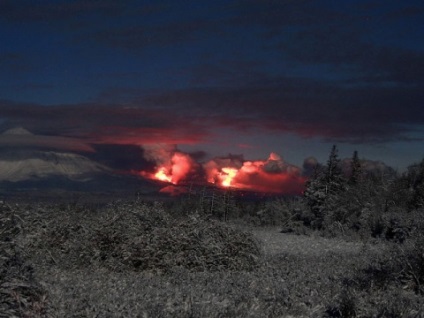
210,78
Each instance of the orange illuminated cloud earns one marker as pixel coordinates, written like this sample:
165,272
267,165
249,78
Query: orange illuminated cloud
171,165
271,175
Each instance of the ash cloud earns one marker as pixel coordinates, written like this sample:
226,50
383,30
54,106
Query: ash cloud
121,158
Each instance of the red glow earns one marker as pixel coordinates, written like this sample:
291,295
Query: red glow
272,175
172,170
173,190
190,134
181,166
227,175
163,175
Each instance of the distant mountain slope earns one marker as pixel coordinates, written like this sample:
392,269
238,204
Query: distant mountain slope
38,164
22,165
20,131
21,138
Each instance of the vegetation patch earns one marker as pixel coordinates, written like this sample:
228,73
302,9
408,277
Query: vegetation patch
349,248
142,237
20,293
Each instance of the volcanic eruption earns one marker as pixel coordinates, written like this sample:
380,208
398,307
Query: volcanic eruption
272,175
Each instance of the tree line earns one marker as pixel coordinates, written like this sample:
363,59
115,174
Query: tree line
361,198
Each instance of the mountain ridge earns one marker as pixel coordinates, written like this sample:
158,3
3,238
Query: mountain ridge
22,165
19,131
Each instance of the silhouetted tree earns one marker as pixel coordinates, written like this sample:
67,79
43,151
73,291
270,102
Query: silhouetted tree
356,169
334,180
416,175
324,187
316,193
333,170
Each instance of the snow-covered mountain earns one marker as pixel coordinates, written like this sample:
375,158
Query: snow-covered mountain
45,163
18,131
21,159
22,165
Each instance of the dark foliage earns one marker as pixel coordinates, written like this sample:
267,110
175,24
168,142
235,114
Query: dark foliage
142,237
345,306
20,293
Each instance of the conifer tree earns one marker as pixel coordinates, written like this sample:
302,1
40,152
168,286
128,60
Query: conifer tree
418,187
323,188
333,175
356,169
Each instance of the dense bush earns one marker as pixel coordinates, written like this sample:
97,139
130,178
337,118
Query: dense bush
142,237
20,293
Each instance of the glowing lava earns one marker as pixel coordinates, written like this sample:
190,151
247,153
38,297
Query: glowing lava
271,175
174,170
163,175
227,175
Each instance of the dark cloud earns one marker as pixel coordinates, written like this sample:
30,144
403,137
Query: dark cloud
121,157
142,36
295,29
345,50
14,62
227,72
198,155
348,38
105,124
26,11
9,57
408,11
273,15
333,110
308,108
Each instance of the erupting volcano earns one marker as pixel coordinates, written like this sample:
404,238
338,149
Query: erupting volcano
227,175
272,175
163,175
173,170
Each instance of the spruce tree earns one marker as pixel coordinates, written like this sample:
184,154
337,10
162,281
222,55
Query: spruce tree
356,169
324,187
333,175
315,194
418,187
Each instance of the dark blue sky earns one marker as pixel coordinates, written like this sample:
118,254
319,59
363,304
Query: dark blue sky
218,77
